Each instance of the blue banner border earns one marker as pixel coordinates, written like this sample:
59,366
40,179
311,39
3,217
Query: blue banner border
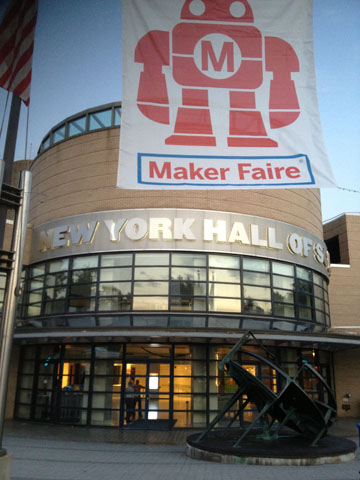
157,155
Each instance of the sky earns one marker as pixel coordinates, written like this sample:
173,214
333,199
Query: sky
77,65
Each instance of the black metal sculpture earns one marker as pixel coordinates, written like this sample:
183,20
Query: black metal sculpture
291,407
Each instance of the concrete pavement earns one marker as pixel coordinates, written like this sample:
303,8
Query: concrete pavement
53,452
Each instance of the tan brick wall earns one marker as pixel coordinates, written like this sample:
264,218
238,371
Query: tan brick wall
346,368
79,176
344,287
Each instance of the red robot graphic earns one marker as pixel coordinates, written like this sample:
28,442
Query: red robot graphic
217,46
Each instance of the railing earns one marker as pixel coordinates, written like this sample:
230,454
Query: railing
98,118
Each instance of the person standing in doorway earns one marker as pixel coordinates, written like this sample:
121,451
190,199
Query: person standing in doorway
137,395
130,402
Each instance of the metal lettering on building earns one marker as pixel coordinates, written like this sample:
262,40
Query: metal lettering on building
167,229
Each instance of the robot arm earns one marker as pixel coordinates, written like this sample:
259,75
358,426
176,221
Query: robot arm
152,51
282,60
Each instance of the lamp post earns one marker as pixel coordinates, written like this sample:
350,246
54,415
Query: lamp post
13,291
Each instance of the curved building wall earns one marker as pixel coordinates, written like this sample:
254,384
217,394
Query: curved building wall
78,175
156,286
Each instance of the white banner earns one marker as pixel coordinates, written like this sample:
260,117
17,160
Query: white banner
220,94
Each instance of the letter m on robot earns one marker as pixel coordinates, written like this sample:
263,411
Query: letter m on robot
217,46
226,55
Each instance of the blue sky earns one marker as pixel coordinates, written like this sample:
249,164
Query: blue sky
77,65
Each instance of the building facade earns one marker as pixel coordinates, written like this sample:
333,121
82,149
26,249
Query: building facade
155,287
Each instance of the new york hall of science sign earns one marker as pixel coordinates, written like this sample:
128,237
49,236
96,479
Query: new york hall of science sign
178,229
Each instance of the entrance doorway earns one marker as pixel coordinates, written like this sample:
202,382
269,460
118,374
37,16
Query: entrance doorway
150,407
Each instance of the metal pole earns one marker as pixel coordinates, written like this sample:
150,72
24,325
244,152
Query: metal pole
2,170
9,154
13,292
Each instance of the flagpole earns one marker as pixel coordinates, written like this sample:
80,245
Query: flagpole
13,292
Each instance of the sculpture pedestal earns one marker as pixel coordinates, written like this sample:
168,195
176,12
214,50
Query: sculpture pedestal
218,447
5,465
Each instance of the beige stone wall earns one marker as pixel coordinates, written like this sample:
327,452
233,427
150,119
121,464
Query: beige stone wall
344,287
346,366
79,176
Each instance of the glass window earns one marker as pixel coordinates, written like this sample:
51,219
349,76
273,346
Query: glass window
46,143
53,307
256,264
290,326
187,322
317,279
55,293
151,288
283,310
34,310
115,274
224,290
152,258
305,313
188,273
254,306
304,299
84,276
150,303
187,288
100,120
304,286
283,296
224,261
114,304
283,282
149,321
77,126
224,305
283,269
37,270
35,297
151,273
320,317
218,322
35,284
116,260
117,118
222,275
260,293
119,288
303,274
256,278
255,324
59,265
77,351
85,290
59,134
318,291
188,303
81,305
90,261
55,279
190,259
115,321
319,304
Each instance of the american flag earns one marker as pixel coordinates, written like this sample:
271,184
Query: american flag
17,31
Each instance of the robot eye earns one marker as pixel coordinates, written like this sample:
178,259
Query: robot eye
237,9
197,7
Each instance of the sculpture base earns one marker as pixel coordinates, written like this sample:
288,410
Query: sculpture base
218,447
5,464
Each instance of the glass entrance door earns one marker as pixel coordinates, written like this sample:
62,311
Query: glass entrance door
147,395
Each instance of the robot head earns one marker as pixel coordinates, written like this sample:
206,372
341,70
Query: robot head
218,10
